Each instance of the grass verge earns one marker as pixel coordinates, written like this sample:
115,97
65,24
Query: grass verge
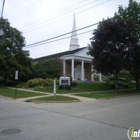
109,94
56,99
19,94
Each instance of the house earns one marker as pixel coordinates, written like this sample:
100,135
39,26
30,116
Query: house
75,62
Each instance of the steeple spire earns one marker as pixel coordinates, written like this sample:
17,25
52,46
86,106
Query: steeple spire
74,40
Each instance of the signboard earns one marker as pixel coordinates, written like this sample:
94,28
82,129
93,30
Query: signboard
64,80
16,75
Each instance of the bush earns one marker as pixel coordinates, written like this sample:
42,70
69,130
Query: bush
48,82
64,87
2,81
9,83
22,85
74,84
35,82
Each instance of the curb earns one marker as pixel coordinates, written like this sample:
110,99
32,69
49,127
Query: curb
73,101
117,97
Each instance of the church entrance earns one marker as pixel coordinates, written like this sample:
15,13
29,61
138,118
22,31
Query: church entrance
78,73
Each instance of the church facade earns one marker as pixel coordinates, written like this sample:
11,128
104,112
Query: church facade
75,62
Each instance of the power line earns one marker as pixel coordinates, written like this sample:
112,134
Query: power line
61,35
23,7
15,6
60,14
58,39
55,13
45,41
68,16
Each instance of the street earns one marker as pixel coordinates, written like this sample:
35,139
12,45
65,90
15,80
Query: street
89,120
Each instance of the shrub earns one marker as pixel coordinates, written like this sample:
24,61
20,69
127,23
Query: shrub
48,82
35,82
74,84
22,85
2,81
9,83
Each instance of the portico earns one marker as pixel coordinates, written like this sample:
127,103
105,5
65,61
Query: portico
77,66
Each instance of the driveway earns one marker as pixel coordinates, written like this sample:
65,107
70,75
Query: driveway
89,120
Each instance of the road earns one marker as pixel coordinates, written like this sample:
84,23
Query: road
91,120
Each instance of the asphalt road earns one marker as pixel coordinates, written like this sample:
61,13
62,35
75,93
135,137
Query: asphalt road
91,120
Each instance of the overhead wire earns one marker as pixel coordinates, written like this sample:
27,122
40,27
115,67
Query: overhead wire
68,16
15,5
59,15
22,8
58,39
61,35
45,41
56,13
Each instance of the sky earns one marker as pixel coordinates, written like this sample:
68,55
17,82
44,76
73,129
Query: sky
41,20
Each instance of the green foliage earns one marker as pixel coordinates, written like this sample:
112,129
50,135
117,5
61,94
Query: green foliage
131,14
40,82
12,57
74,84
116,42
2,81
35,82
48,68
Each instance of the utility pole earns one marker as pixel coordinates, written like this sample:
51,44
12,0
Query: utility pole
1,30
2,9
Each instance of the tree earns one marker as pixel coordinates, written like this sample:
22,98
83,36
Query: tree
131,14
48,68
12,56
109,45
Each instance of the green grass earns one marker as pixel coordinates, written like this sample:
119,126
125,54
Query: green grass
82,87
109,94
56,99
20,94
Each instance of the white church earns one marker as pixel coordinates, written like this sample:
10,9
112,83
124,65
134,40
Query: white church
76,63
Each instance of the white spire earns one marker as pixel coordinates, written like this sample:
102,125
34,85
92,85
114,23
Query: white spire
74,40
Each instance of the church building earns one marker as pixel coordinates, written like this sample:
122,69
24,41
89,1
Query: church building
76,63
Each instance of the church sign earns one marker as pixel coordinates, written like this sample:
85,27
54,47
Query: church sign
64,82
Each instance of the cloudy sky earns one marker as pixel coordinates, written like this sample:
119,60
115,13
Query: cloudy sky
41,20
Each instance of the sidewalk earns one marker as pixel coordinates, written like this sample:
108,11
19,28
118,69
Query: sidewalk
82,99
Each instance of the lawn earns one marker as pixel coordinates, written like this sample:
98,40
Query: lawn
19,94
82,87
56,99
108,94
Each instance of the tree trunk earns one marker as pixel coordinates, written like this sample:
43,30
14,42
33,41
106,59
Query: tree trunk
116,80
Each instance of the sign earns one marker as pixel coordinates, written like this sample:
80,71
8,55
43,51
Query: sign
16,75
64,80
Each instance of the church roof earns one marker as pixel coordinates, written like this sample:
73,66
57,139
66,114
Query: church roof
58,55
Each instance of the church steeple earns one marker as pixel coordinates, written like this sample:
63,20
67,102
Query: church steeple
74,40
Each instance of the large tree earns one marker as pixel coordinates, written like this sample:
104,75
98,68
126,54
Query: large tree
50,68
12,55
109,44
131,14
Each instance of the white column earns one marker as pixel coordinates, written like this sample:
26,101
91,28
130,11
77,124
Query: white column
64,67
82,70
72,69
92,74
100,77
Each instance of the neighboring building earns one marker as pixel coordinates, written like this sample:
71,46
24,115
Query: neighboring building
76,63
